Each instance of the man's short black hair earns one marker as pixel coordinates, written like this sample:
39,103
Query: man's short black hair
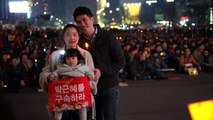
82,10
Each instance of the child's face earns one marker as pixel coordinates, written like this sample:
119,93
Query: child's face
72,61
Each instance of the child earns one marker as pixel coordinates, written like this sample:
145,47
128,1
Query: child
74,66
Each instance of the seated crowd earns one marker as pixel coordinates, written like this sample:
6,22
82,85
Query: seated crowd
148,53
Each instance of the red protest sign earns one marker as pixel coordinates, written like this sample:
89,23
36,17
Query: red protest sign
69,94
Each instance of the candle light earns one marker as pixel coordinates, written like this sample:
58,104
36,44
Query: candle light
192,71
86,45
35,62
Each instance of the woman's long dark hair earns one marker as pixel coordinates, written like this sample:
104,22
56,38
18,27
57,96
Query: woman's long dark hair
70,26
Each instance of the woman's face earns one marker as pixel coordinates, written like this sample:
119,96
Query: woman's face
187,52
71,38
143,56
205,52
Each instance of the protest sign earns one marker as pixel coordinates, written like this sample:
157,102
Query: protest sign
69,94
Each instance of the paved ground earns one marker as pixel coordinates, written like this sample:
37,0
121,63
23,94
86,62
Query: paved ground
141,100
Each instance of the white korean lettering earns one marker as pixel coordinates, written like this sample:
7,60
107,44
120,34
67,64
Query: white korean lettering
58,98
81,96
73,97
81,87
73,88
58,89
66,98
65,89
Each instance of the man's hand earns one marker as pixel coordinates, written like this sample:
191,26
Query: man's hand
97,73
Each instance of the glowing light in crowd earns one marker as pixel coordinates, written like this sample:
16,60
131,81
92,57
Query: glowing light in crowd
86,45
193,71
62,52
184,20
201,110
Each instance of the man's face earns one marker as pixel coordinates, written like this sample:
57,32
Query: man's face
24,58
85,23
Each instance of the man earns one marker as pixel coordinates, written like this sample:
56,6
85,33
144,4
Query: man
107,56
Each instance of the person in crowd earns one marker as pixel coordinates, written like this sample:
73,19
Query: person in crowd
4,64
157,64
187,61
129,57
206,61
165,52
28,71
5,41
1,39
192,46
140,68
197,54
162,54
175,58
71,37
15,75
123,72
108,57
74,66
185,45
1,77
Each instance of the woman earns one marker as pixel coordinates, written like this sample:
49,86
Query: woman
71,37
187,61
140,68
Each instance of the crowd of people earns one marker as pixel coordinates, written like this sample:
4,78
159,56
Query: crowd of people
23,55
148,54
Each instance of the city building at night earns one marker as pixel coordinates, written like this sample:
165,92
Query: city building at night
4,10
112,13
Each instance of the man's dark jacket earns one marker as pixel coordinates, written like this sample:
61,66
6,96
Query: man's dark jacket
107,56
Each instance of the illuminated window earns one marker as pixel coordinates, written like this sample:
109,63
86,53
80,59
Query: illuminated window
108,5
170,0
14,7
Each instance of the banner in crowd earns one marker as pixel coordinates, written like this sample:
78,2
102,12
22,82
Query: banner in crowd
69,94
